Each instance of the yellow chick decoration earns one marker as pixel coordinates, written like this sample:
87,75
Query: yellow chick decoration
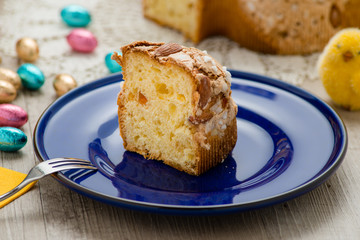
339,68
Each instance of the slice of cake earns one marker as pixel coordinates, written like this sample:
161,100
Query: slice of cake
176,106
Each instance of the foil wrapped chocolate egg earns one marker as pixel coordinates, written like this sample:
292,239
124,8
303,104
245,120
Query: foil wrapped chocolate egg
27,49
112,65
75,16
7,92
63,83
11,77
82,40
31,76
12,115
12,139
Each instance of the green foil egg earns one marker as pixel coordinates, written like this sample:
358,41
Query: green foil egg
31,76
75,16
12,139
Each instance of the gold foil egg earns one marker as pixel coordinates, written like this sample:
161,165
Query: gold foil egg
27,49
11,77
7,92
63,83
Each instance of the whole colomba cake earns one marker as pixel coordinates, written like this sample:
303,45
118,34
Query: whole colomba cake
176,106
276,27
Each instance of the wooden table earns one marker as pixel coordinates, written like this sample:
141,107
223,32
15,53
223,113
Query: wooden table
51,211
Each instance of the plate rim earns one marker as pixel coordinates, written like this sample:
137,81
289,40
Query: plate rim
309,185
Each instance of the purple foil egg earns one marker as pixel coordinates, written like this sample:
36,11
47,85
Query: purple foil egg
82,40
12,115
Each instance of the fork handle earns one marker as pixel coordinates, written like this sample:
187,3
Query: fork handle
21,185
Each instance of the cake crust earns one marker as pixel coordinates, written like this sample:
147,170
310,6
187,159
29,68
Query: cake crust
212,119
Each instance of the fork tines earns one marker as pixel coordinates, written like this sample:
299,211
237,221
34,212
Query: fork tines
61,162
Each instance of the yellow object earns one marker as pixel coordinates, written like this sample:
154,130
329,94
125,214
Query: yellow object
339,68
9,179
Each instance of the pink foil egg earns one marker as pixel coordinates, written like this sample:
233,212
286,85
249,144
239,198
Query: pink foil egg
12,115
82,40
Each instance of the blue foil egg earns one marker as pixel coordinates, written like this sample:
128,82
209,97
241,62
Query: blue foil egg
75,16
112,65
11,139
31,76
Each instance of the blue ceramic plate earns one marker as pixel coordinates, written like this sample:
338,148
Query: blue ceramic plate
289,142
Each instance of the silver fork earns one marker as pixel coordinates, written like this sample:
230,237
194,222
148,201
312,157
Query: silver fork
48,167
